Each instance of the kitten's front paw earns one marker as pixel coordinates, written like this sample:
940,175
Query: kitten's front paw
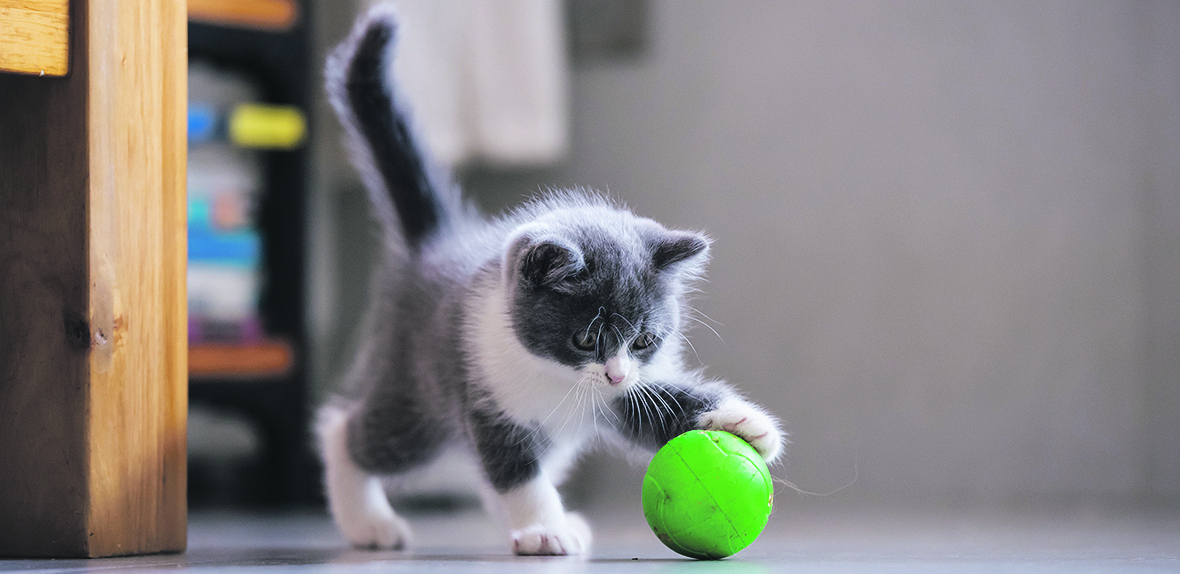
748,422
375,529
569,539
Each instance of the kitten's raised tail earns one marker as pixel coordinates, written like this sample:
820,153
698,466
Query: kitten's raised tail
406,191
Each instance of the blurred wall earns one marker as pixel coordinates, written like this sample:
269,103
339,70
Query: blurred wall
947,234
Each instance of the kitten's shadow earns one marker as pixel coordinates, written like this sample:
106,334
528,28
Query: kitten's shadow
546,564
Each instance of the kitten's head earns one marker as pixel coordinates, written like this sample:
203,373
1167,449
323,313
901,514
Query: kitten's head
596,288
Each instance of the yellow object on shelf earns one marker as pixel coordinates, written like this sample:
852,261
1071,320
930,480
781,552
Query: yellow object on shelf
267,126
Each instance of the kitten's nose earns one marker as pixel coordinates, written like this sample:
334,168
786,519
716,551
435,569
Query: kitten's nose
617,368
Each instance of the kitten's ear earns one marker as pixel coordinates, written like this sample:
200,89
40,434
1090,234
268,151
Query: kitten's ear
677,246
545,261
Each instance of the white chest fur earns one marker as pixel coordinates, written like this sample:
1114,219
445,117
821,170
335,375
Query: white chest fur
527,387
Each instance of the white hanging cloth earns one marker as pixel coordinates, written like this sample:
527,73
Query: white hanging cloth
486,81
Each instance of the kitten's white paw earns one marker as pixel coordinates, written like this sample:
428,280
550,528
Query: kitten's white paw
357,500
375,529
747,421
569,539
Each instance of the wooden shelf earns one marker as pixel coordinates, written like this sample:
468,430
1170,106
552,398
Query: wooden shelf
36,37
265,360
273,15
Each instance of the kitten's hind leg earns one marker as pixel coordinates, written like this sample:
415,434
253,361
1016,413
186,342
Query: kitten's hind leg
356,498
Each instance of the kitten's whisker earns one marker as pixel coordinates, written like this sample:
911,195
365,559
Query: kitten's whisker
583,396
659,413
629,324
579,398
606,410
569,415
537,430
698,312
603,406
596,318
690,345
667,396
649,406
619,333
592,392
633,399
660,393
707,326
559,403
653,393
679,408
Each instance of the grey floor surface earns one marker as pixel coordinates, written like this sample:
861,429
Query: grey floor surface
822,542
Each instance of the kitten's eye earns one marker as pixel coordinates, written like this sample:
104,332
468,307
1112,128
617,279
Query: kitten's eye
643,341
584,340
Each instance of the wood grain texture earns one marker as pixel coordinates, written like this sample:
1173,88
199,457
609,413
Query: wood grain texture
174,265
137,315
35,37
93,364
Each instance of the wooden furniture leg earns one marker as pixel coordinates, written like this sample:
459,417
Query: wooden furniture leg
93,364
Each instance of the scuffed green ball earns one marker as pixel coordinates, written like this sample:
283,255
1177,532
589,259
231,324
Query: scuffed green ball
707,494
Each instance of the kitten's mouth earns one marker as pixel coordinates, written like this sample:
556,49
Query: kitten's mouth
617,383
601,377
615,373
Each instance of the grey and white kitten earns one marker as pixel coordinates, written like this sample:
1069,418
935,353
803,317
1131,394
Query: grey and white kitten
521,338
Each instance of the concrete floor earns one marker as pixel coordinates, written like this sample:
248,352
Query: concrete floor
805,541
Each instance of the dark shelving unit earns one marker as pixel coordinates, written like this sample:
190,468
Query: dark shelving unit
275,400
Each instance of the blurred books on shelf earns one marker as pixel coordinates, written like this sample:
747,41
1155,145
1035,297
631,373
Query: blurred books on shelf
227,130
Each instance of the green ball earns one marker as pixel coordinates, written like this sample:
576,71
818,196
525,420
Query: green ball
707,494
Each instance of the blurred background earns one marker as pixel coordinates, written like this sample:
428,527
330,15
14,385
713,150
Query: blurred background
947,234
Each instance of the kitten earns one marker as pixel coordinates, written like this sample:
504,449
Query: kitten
522,338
